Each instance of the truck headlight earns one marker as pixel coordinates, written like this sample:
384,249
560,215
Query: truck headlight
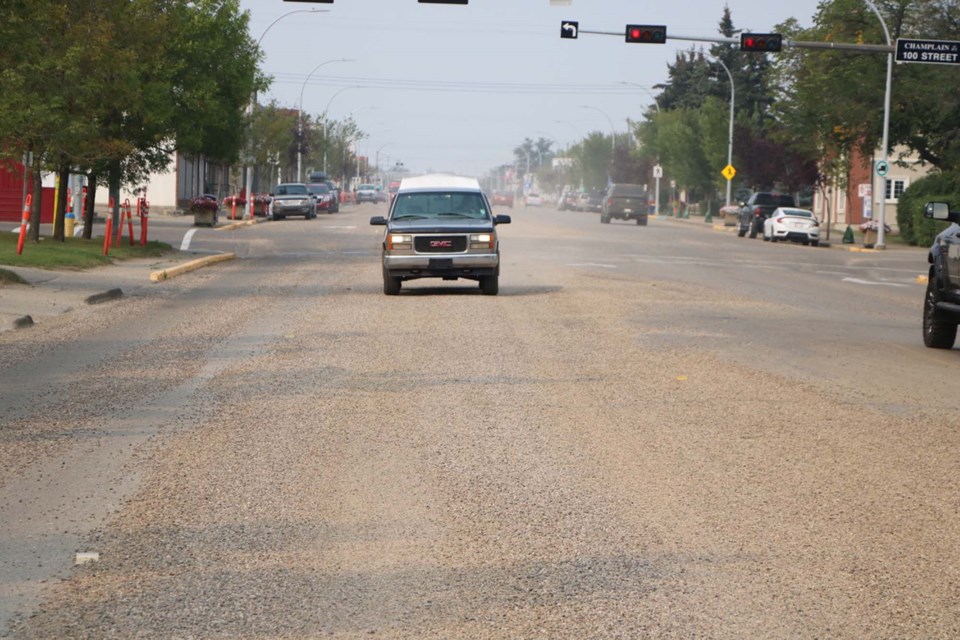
482,240
399,241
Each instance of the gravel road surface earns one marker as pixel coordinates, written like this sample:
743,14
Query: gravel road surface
274,449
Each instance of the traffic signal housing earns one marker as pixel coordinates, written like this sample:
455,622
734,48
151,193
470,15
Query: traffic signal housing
762,42
647,33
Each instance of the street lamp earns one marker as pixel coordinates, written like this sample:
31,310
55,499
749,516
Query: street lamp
733,94
300,118
613,135
325,109
882,192
253,107
656,102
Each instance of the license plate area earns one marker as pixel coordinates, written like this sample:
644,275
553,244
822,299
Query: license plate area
440,263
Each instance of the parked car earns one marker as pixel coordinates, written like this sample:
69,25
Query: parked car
583,202
366,193
796,225
503,199
533,200
319,177
325,196
568,201
758,208
625,202
595,201
292,199
941,306
382,195
440,226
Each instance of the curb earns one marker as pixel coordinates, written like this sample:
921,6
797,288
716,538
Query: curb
236,225
166,274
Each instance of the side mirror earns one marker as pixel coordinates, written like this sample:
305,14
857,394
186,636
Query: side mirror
940,211
378,221
501,219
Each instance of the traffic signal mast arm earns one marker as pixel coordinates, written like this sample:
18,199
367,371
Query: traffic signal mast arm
842,46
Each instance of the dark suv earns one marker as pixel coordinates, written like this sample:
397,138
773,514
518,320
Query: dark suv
625,202
941,306
758,207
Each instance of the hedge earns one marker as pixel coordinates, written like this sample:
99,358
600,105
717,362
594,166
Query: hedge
940,187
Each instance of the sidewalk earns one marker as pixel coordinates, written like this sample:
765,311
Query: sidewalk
50,293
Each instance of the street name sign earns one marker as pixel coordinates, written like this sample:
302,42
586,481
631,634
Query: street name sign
928,51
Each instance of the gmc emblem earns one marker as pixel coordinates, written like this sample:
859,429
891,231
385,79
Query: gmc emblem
441,244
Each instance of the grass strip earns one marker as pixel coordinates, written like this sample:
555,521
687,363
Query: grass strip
74,253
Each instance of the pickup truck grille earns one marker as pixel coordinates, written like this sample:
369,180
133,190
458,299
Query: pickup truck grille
440,244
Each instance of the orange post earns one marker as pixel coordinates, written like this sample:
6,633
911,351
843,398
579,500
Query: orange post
24,222
233,208
107,235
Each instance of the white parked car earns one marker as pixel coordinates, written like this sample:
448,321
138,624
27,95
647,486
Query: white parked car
796,225
534,200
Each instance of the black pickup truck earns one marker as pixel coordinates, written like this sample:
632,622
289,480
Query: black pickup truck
941,304
758,207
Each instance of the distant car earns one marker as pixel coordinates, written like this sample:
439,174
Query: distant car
392,190
440,227
366,193
326,197
382,195
758,207
319,177
534,200
595,202
796,225
583,202
503,199
568,201
625,202
292,199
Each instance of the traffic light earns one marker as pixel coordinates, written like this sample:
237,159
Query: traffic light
763,42
647,33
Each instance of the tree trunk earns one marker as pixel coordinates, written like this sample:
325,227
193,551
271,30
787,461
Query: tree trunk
113,180
37,194
60,206
88,205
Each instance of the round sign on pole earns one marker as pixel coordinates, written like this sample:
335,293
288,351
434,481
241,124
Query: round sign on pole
883,168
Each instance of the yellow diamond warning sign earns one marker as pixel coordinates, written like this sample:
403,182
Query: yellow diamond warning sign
728,172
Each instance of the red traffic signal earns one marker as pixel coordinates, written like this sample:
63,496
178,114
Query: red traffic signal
763,42
647,33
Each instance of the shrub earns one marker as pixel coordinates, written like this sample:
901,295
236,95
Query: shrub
941,187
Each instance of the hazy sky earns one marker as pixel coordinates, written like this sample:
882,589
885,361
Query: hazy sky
456,88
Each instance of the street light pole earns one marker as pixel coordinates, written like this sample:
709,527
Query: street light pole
882,191
613,135
325,109
733,95
253,108
300,117
656,103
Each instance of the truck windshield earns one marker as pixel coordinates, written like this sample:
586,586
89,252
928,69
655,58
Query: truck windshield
437,204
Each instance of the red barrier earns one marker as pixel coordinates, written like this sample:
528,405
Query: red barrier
24,222
129,209
108,229
107,235
233,208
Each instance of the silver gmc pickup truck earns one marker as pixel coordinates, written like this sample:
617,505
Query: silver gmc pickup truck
440,226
